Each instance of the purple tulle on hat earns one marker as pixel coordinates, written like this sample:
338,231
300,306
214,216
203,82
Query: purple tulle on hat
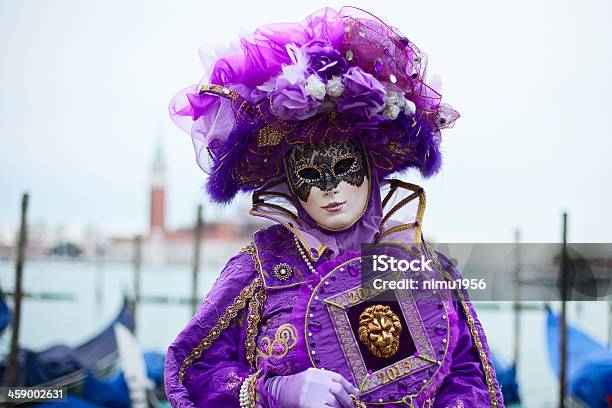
334,75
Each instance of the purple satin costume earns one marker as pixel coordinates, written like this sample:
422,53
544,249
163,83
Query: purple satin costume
255,320
215,352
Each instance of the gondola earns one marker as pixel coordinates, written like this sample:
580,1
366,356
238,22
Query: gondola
5,313
589,365
506,376
67,367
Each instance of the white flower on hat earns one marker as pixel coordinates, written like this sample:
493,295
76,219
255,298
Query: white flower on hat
395,98
335,87
296,71
315,87
391,111
409,108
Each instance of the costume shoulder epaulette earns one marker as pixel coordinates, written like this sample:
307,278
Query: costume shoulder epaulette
276,258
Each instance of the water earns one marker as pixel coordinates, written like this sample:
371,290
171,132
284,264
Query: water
46,323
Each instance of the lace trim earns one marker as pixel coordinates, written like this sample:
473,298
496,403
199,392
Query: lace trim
232,310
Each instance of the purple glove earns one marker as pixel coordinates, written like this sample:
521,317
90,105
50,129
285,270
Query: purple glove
312,388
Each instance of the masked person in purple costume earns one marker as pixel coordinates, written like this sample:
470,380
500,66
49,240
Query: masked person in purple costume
314,117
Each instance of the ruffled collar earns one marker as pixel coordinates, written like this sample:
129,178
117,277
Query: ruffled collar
274,202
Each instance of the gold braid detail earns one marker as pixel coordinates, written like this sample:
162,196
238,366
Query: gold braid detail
253,319
252,250
475,337
232,310
249,249
255,308
252,394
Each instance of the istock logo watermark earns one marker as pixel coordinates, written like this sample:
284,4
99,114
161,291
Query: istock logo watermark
493,271
386,263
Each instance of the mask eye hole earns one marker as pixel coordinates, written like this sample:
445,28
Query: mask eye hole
343,165
310,173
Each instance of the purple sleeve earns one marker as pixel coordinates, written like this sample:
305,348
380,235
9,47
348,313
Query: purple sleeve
466,385
214,379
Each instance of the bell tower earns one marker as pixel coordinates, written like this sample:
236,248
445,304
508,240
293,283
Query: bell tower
158,193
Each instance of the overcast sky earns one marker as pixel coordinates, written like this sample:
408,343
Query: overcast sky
85,85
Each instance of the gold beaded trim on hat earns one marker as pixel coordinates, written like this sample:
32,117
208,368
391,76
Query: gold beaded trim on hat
218,90
276,130
269,136
475,337
239,303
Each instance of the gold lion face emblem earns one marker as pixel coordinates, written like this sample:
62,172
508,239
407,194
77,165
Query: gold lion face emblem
379,330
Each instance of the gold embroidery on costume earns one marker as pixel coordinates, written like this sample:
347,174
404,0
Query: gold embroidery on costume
356,402
232,310
284,340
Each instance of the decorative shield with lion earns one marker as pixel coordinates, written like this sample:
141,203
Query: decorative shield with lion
389,343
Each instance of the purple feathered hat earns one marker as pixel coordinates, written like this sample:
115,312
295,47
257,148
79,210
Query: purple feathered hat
334,75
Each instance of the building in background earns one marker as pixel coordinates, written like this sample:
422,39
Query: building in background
220,239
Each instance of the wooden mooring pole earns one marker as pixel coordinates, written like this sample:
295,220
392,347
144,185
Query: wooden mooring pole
11,376
196,261
137,267
609,324
517,299
99,271
563,325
